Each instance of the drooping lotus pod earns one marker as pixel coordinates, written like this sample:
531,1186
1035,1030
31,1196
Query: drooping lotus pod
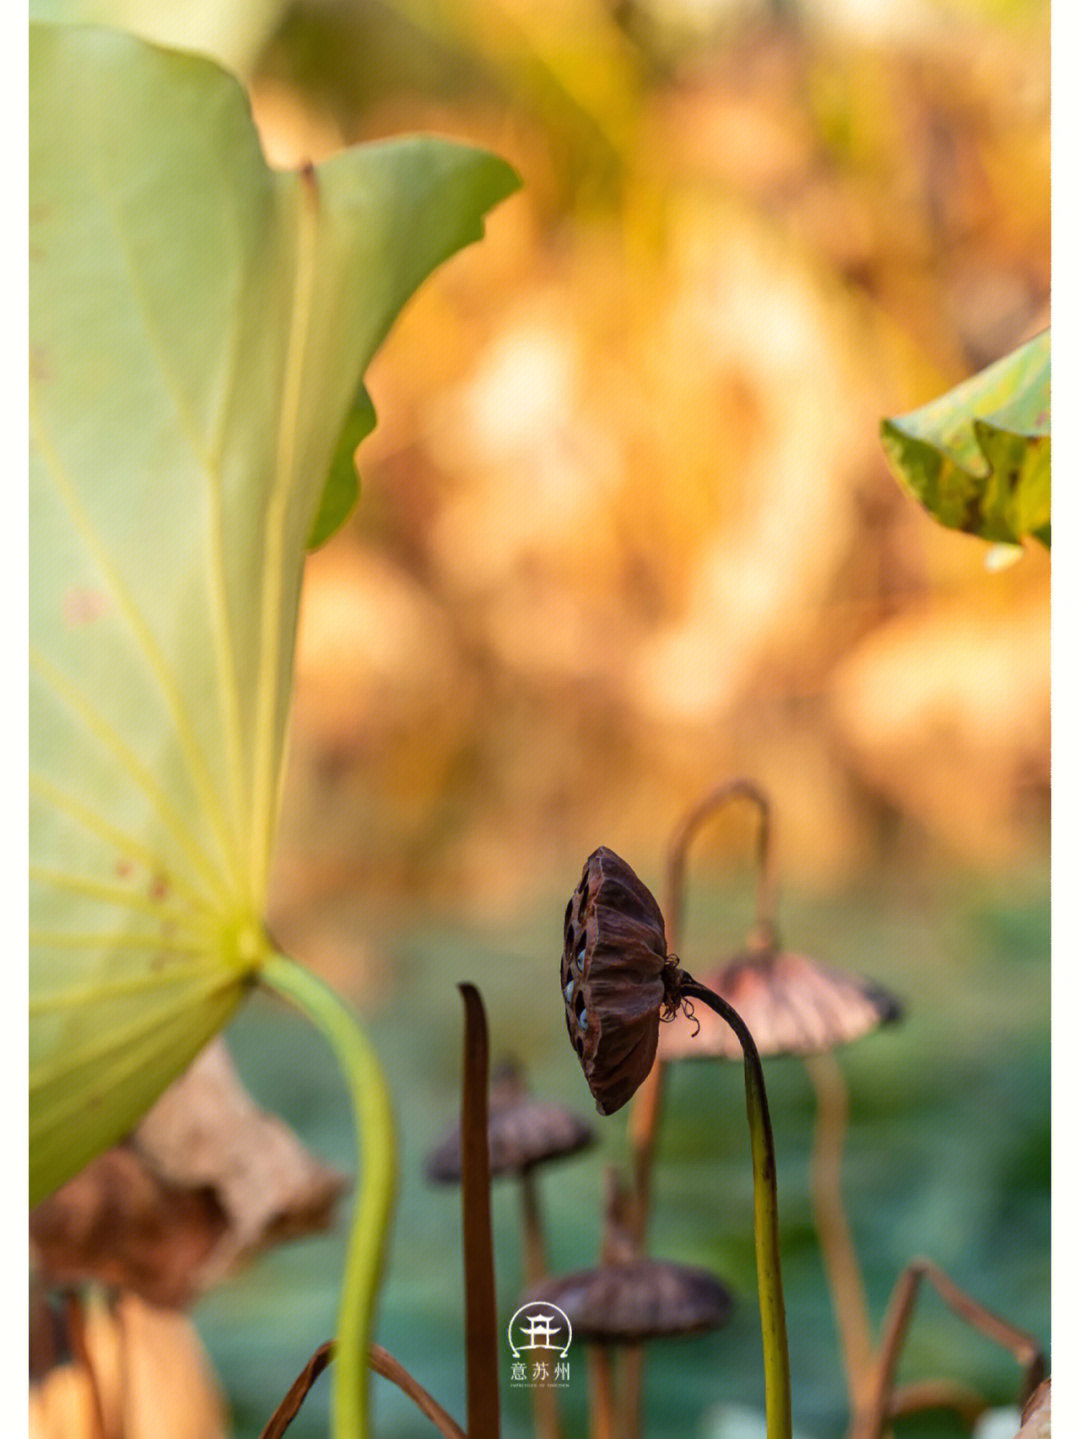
615,977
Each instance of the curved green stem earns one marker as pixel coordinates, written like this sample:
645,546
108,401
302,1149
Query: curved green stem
645,1115
376,1146
766,1218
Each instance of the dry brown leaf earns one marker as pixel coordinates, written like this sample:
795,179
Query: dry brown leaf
207,1180
207,1130
118,1222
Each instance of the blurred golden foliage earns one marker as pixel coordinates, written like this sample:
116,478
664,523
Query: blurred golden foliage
625,525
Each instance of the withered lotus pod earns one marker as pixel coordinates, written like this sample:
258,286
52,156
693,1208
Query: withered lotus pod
615,977
522,1132
792,1005
636,1300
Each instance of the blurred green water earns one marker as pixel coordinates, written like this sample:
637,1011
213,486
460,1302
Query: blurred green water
948,1155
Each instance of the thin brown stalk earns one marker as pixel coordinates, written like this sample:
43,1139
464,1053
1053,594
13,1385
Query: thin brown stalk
644,1124
383,1363
680,844
536,1266
602,1399
298,1391
842,1270
545,1400
1021,1345
939,1394
633,1370
645,1114
481,1341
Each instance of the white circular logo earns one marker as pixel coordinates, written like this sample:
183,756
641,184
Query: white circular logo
539,1324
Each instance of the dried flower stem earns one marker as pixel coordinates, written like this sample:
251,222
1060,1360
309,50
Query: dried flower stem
602,1406
870,1423
382,1362
545,1400
842,1271
481,1340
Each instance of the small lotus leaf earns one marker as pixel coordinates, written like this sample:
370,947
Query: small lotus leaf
978,457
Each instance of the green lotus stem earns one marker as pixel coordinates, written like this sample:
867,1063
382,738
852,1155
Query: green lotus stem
376,1146
766,1218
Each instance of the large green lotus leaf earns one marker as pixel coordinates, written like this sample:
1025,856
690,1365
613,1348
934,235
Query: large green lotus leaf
978,457
199,328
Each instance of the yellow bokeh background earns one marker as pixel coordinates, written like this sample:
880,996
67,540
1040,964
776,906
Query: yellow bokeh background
626,528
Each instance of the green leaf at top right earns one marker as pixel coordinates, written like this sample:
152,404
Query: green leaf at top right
978,457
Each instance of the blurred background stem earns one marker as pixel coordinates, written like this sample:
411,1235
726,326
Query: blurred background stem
842,1269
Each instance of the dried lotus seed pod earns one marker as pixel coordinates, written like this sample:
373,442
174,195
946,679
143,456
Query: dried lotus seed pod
616,978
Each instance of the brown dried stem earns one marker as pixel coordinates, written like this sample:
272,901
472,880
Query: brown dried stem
924,1394
841,1263
602,1401
880,1405
298,1391
481,1340
680,844
383,1363
545,1400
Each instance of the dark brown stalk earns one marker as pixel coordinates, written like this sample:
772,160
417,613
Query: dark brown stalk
481,1341
1021,1345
